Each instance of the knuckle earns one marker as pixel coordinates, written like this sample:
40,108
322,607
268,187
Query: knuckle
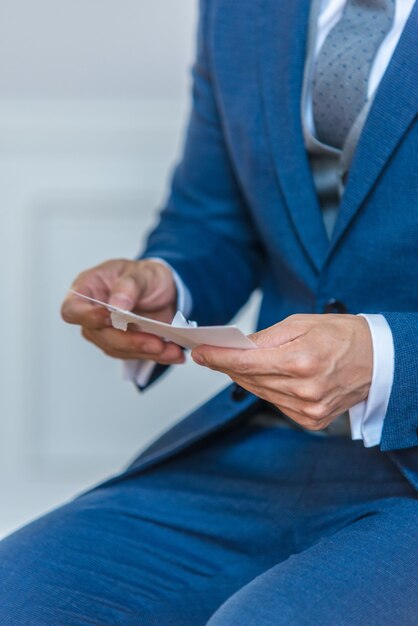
146,265
311,392
296,317
69,312
305,364
133,347
66,312
242,362
81,276
301,319
317,412
260,338
316,426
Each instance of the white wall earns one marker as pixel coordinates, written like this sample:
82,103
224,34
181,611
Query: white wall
93,99
126,49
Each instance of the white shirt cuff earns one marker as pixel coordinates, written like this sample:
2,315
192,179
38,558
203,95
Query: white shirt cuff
367,417
184,298
140,371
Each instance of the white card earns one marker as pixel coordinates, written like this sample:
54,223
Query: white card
180,331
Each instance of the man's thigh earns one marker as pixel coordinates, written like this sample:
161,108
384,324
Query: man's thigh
114,557
170,545
166,547
363,574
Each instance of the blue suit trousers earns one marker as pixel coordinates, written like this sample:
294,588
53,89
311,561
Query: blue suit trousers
258,526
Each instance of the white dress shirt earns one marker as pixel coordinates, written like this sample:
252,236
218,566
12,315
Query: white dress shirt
367,417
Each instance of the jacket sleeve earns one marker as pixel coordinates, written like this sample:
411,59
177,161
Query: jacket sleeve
205,231
400,429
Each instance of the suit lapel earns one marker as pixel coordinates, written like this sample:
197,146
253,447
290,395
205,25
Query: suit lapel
283,28
394,108
282,42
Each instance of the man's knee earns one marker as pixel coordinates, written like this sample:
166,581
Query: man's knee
247,608
49,570
23,564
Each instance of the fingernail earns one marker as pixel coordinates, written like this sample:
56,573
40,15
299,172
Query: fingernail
197,358
122,301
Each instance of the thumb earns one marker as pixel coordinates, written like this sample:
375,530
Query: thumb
280,334
126,292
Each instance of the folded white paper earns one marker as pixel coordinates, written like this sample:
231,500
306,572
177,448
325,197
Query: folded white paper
180,331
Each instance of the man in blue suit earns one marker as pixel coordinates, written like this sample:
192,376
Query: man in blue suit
290,498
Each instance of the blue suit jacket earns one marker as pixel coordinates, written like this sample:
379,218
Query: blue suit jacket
243,213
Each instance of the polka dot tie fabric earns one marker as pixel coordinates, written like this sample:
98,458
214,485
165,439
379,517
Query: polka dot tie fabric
341,73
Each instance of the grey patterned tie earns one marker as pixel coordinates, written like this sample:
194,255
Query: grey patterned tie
341,74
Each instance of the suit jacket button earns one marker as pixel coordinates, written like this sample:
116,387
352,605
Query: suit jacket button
238,393
335,306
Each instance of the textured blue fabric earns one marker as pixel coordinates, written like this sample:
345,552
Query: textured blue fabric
402,422
220,519
272,512
243,211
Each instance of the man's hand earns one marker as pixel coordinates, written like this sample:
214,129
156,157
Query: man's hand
312,367
146,287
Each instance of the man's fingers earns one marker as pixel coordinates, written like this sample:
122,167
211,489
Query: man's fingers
134,345
129,343
127,291
294,359
278,335
74,310
310,415
227,359
243,362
